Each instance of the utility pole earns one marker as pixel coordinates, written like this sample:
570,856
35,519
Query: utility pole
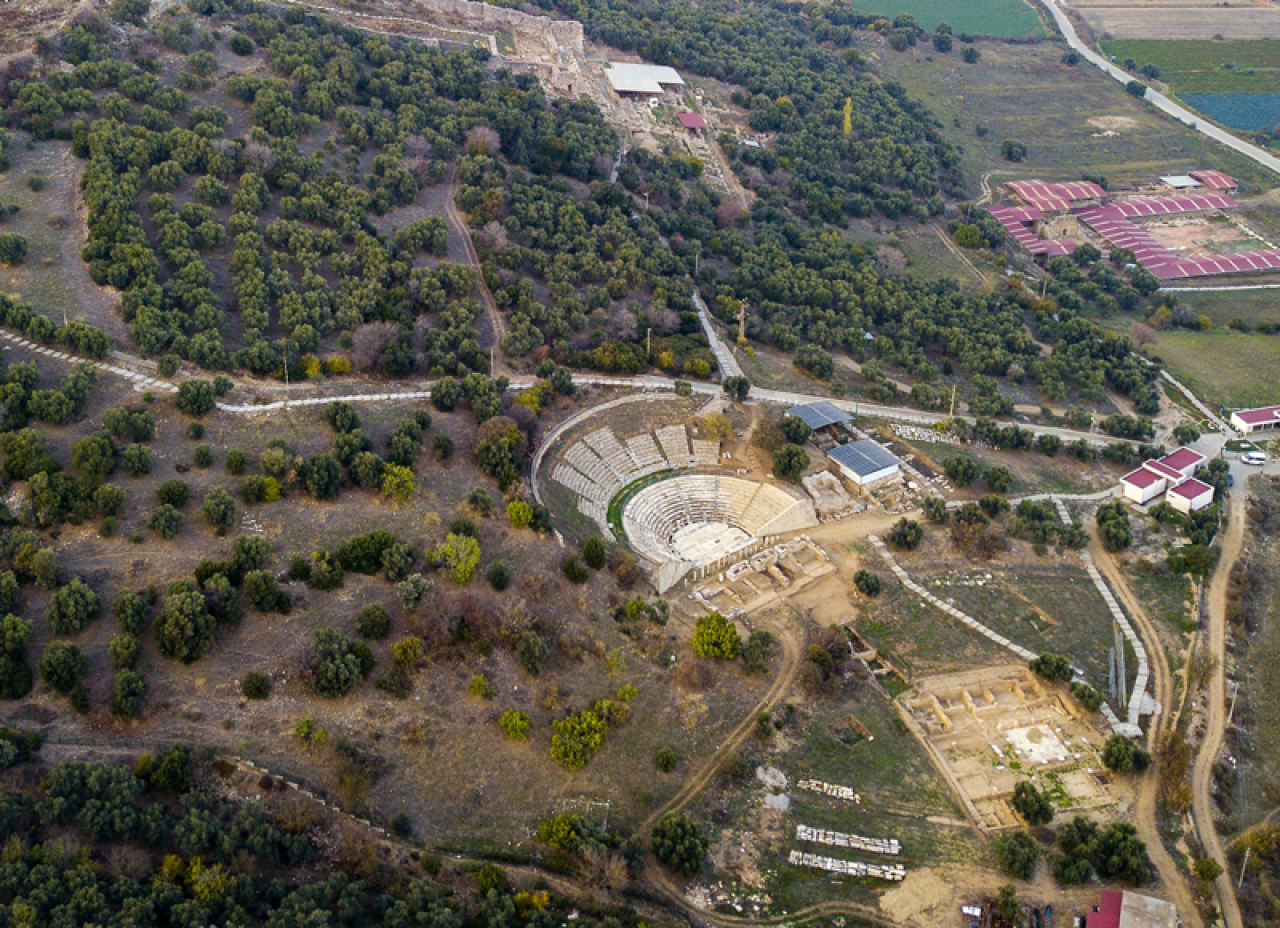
742,325
952,414
648,342
1235,691
1243,865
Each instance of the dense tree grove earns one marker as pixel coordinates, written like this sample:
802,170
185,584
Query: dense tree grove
320,266
202,860
583,277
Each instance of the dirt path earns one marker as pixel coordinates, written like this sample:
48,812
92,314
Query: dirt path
1202,773
1162,689
955,250
656,875
459,226
789,638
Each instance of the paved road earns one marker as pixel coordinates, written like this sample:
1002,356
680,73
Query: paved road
1157,99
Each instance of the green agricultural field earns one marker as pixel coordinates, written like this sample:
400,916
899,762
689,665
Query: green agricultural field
1223,367
1011,19
1201,65
1015,91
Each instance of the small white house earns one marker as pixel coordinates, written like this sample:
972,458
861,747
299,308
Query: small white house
1190,496
1143,485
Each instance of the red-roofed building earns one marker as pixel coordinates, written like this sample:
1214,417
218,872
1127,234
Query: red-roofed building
1190,495
1143,485
691,121
1055,197
1215,180
1053,217
1131,910
1184,460
1167,475
1165,471
1262,419
1108,914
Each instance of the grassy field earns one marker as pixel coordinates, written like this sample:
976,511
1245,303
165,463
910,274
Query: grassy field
1002,19
903,797
1200,66
1016,92
1249,306
53,279
1054,607
1223,367
918,639
929,259
1033,472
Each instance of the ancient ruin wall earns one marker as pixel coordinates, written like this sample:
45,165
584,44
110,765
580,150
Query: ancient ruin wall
566,32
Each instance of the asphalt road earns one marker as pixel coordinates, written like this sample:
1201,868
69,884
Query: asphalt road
1157,99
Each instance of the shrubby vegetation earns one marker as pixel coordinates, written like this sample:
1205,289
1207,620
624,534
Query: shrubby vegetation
209,860
715,636
679,843
1113,853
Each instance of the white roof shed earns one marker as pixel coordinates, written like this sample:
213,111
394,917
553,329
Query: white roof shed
625,77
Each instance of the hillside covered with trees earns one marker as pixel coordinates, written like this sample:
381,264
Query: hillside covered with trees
244,166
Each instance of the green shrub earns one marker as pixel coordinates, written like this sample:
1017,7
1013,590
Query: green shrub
867,582
680,844
1032,804
374,622
594,554
1052,667
124,651
715,636
63,666
577,738
515,723
338,664
574,570
127,692
1017,854
255,685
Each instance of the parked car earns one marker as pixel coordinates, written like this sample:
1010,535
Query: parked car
1256,458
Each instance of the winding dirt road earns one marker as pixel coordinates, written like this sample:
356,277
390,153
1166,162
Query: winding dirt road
1215,725
660,881
789,638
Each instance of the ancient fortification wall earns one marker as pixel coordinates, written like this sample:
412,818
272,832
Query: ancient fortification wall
567,33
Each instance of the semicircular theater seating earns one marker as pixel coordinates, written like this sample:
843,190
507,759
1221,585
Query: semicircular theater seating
699,518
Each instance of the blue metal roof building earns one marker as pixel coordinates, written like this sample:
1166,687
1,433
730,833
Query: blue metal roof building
821,414
865,461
